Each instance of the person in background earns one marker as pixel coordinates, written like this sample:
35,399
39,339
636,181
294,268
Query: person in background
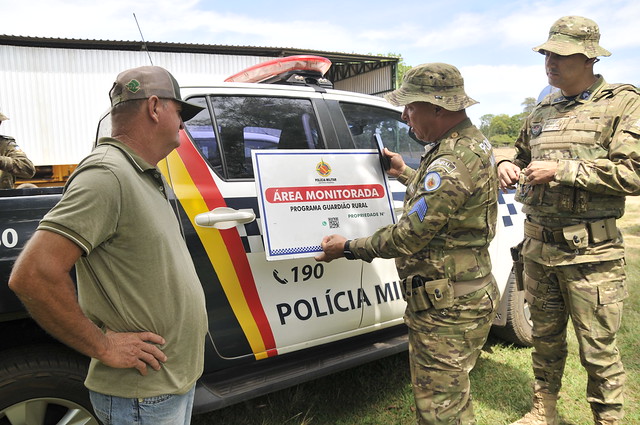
139,312
13,161
440,243
577,158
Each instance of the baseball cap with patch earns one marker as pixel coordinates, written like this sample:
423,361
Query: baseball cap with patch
440,84
573,34
147,81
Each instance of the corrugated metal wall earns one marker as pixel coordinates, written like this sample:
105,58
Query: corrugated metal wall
375,82
54,97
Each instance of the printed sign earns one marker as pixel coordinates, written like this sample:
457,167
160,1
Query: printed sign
305,195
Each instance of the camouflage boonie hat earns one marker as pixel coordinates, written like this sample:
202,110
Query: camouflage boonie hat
147,81
573,34
3,117
440,84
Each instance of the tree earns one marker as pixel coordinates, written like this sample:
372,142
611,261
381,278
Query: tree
503,130
485,124
528,104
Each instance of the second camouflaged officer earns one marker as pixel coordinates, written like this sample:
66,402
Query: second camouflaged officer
13,161
440,243
577,157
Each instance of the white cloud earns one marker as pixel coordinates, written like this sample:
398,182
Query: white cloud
488,40
501,89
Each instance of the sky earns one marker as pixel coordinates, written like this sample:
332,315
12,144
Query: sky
490,41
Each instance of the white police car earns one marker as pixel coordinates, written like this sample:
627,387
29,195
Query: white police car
272,324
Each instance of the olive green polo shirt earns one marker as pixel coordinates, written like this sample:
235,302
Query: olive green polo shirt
136,273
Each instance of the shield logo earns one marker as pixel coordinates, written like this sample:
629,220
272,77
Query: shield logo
536,129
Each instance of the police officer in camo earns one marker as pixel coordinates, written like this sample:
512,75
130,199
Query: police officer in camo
440,243
13,161
577,157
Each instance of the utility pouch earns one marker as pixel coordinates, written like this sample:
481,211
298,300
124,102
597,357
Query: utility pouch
518,265
440,293
528,194
576,236
603,230
416,296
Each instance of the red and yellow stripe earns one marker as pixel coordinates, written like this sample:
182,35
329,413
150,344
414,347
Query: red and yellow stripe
190,178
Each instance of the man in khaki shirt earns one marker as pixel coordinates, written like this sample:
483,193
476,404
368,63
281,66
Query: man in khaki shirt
139,312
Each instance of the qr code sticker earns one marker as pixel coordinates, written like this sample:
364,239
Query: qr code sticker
334,223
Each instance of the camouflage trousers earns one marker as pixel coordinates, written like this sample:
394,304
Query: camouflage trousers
443,348
591,294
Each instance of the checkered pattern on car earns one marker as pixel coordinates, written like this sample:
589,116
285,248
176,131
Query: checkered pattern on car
507,207
251,233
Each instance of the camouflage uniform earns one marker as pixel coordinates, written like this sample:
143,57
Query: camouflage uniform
573,251
13,163
449,218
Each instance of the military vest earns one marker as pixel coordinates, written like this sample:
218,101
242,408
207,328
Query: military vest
581,128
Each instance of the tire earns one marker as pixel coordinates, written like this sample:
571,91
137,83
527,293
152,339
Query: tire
43,385
518,329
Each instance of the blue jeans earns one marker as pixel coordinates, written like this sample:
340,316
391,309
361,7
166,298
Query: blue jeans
170,409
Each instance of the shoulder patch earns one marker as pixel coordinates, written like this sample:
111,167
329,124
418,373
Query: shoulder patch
443,164
432,181
420,208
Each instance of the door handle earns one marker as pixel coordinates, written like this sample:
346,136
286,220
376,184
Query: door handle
224,218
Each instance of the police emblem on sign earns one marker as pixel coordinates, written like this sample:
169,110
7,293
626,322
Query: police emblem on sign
432,181
323,168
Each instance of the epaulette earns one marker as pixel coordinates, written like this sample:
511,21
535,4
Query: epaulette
612,89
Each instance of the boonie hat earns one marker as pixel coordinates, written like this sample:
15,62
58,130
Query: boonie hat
147,81
573,34
440,84
3,117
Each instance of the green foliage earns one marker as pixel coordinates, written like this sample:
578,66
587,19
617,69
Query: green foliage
503,130
401,68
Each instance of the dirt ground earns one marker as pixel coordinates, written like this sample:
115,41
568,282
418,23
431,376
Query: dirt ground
503,152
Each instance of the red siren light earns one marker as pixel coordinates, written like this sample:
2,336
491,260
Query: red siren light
265,70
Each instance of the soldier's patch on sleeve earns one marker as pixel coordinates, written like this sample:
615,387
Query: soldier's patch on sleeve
420,208
443,164
432,181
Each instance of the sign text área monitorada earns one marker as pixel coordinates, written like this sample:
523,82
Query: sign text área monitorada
276,195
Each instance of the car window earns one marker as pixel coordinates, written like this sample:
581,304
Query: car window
365,120
200,128
245,123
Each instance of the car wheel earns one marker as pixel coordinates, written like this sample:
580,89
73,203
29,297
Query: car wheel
43,385
518,329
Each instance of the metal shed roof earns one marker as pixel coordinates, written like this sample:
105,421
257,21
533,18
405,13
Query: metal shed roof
55,89
344,65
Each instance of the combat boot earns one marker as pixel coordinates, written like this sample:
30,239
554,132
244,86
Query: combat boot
543,411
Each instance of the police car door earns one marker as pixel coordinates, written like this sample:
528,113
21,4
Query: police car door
256,306
357,119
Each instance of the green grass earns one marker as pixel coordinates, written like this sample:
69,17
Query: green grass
379,393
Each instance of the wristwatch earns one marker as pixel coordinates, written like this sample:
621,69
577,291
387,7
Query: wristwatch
347,252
